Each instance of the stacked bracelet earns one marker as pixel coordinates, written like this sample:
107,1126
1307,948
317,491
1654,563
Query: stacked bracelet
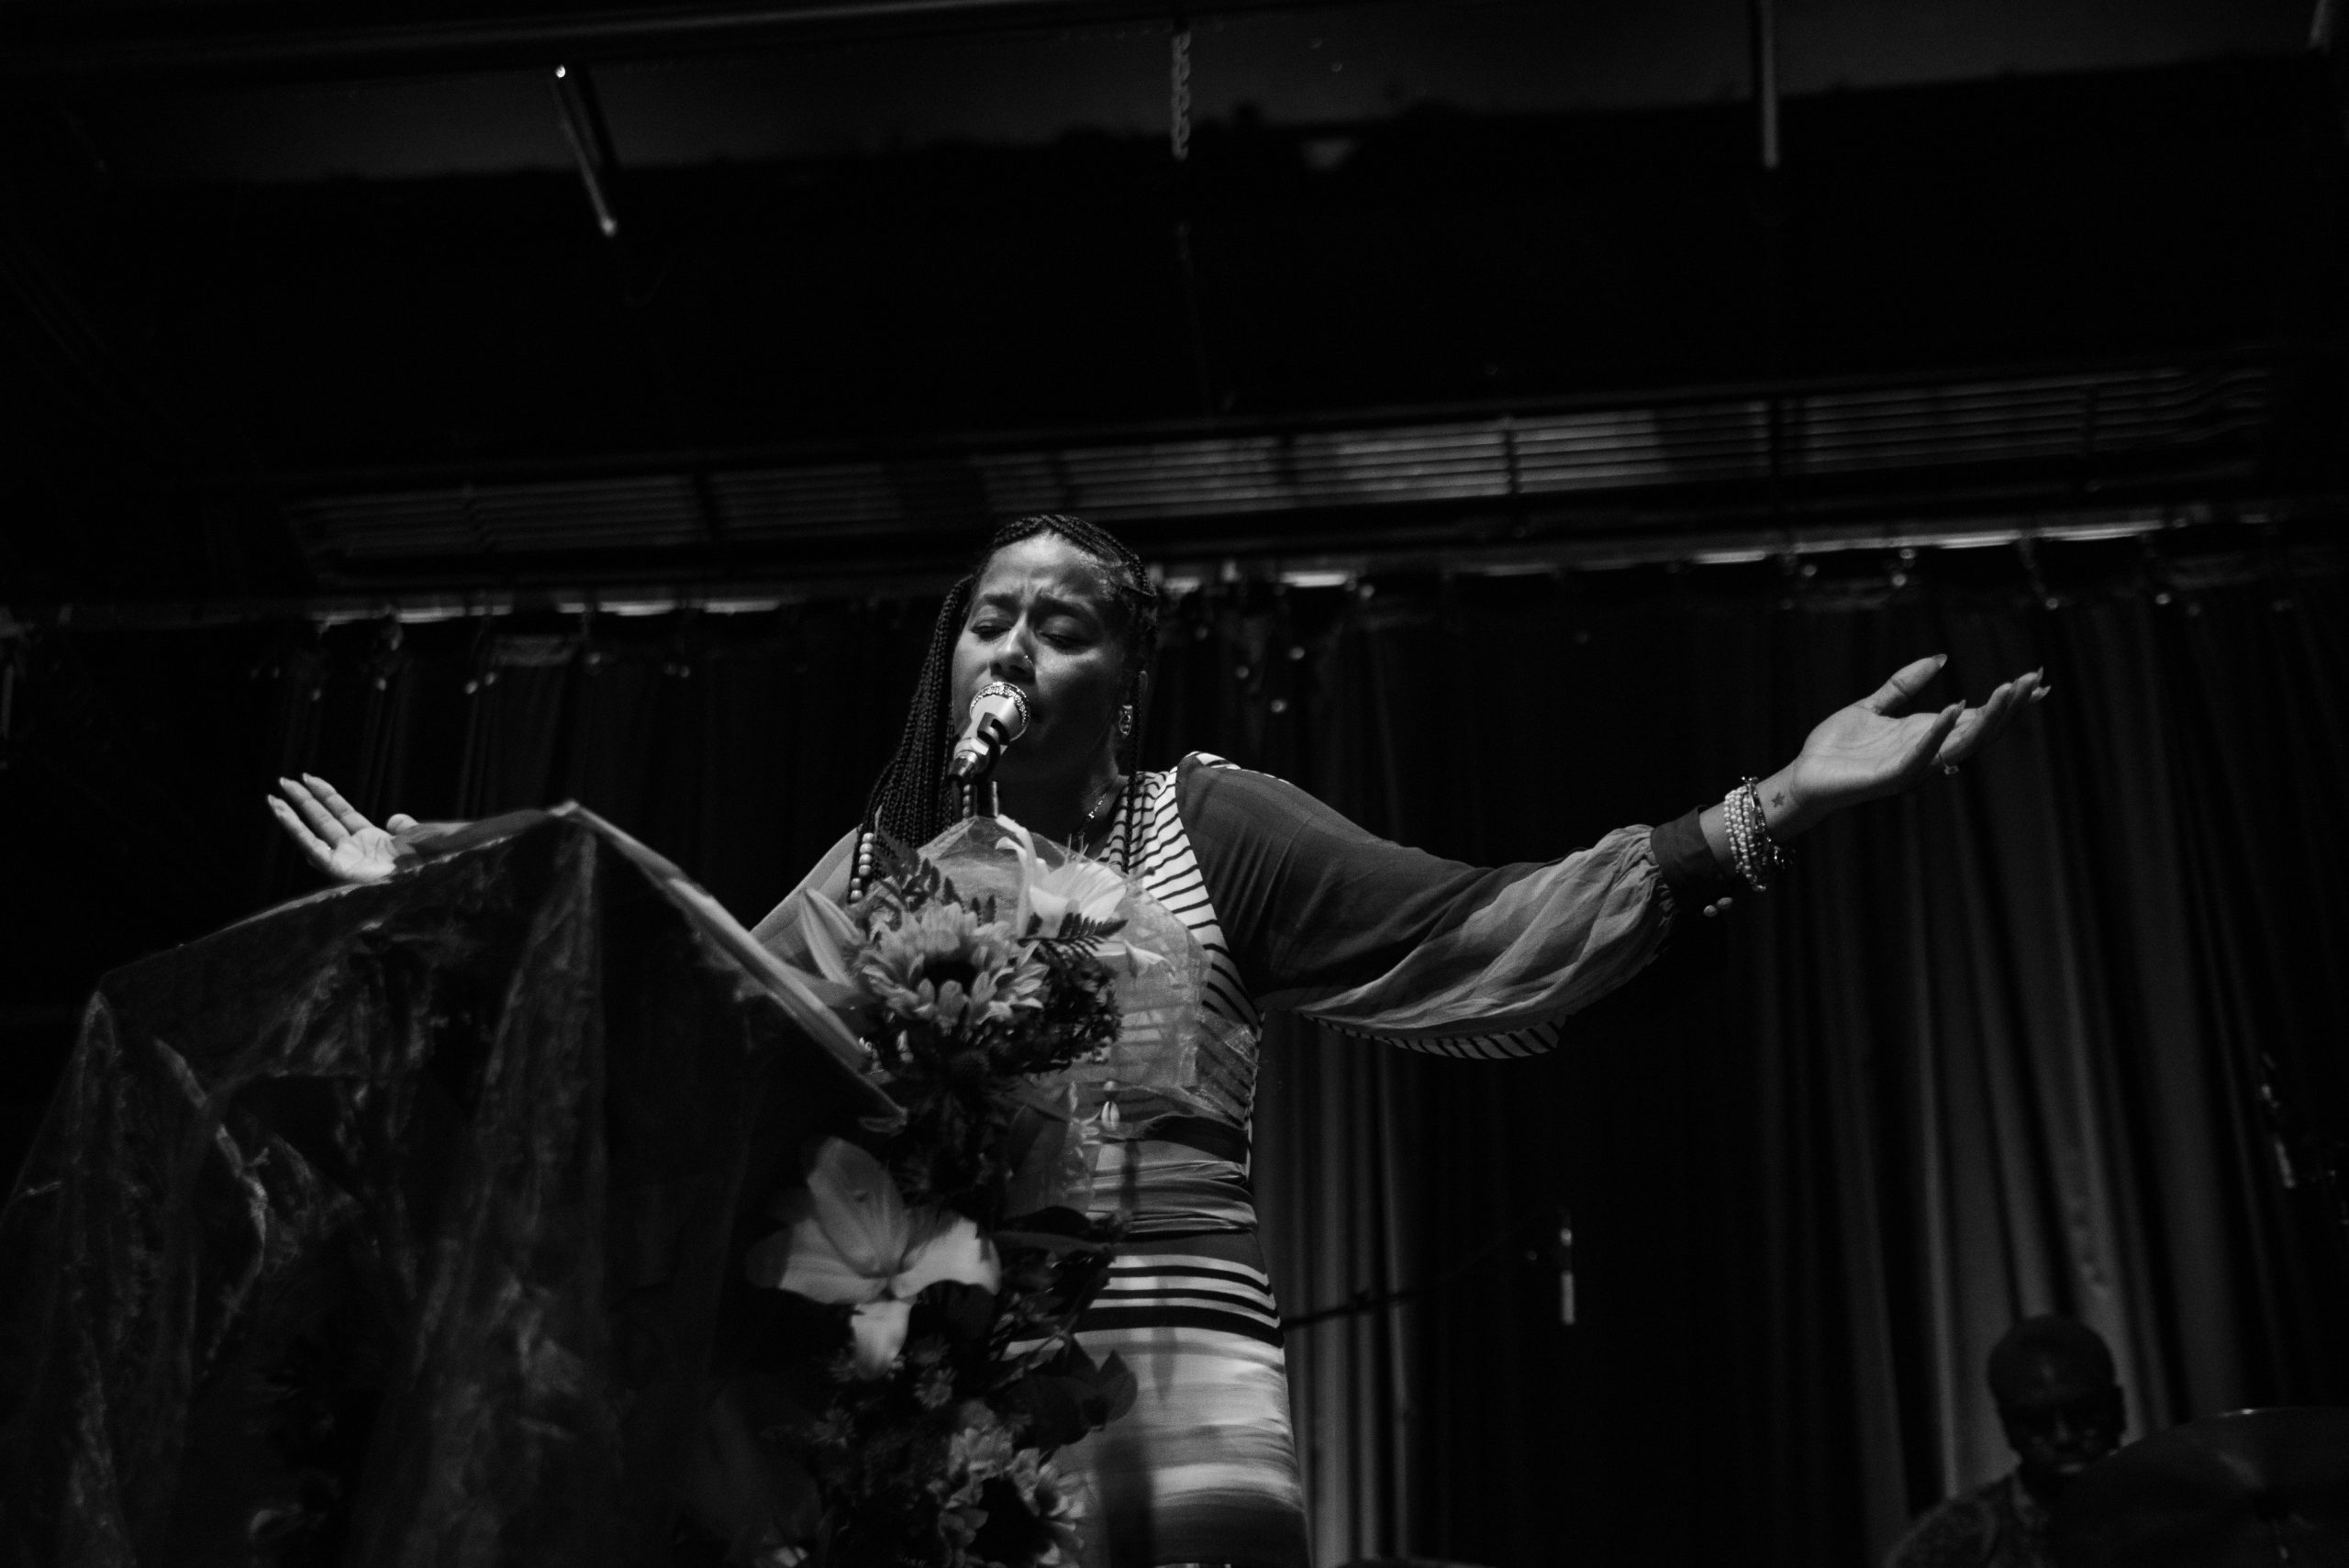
1756,857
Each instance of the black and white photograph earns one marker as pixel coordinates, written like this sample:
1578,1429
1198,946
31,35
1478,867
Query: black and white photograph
1269,783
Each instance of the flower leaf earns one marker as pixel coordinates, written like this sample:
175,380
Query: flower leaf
963,1313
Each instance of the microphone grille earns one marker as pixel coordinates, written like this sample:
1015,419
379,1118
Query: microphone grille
1003,693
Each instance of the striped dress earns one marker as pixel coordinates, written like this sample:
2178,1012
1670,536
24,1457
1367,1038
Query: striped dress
1294,908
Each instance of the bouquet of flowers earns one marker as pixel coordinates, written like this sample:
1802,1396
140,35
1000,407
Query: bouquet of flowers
940,1271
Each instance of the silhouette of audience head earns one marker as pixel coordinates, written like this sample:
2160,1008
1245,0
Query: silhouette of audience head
2062,1409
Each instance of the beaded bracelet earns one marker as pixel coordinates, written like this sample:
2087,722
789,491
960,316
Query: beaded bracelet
1765,860
1756,857
1740,848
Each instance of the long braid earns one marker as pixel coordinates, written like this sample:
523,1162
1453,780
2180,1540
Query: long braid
898,804
912,801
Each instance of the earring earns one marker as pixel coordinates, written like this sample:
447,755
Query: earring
1126,720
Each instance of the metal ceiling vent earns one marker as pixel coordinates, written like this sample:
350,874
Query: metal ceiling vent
2089,416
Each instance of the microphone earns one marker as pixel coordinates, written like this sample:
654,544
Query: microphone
998,716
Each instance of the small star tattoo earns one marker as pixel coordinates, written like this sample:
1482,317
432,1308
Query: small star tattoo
1779,798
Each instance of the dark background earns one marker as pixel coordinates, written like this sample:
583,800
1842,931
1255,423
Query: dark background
334,435
315,302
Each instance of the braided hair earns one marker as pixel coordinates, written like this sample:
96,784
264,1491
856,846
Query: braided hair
912,801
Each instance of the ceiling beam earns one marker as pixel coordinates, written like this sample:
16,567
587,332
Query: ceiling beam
70,44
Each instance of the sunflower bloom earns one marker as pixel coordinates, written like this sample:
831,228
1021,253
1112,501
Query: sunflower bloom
942,965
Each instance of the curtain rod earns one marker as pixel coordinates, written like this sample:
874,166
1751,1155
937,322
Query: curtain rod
1179,572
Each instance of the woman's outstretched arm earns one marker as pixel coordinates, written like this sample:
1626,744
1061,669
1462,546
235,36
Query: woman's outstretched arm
1324,918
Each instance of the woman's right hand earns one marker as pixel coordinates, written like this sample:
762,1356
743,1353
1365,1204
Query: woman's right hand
339,841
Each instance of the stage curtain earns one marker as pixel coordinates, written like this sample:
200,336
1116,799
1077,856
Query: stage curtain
2059,1034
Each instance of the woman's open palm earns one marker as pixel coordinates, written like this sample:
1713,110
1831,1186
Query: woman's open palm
1874,748
336,838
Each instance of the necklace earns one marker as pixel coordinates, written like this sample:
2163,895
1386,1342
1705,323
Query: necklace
1099,811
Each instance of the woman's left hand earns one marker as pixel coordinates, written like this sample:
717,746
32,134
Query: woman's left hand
1875,747
334,837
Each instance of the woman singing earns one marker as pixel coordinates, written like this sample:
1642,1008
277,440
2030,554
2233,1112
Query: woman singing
1294,909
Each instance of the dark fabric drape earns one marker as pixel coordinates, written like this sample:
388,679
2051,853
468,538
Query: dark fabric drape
393,1227
2060,1034
2004,1046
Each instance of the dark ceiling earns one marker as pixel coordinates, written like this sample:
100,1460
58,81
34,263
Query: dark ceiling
273,278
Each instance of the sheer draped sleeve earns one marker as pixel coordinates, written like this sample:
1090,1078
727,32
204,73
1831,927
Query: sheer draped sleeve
1326,919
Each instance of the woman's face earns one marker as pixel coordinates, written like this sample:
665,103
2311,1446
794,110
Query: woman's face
1044,616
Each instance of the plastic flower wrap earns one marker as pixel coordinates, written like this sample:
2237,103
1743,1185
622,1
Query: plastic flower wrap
1171,1056
998,980
1069,893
